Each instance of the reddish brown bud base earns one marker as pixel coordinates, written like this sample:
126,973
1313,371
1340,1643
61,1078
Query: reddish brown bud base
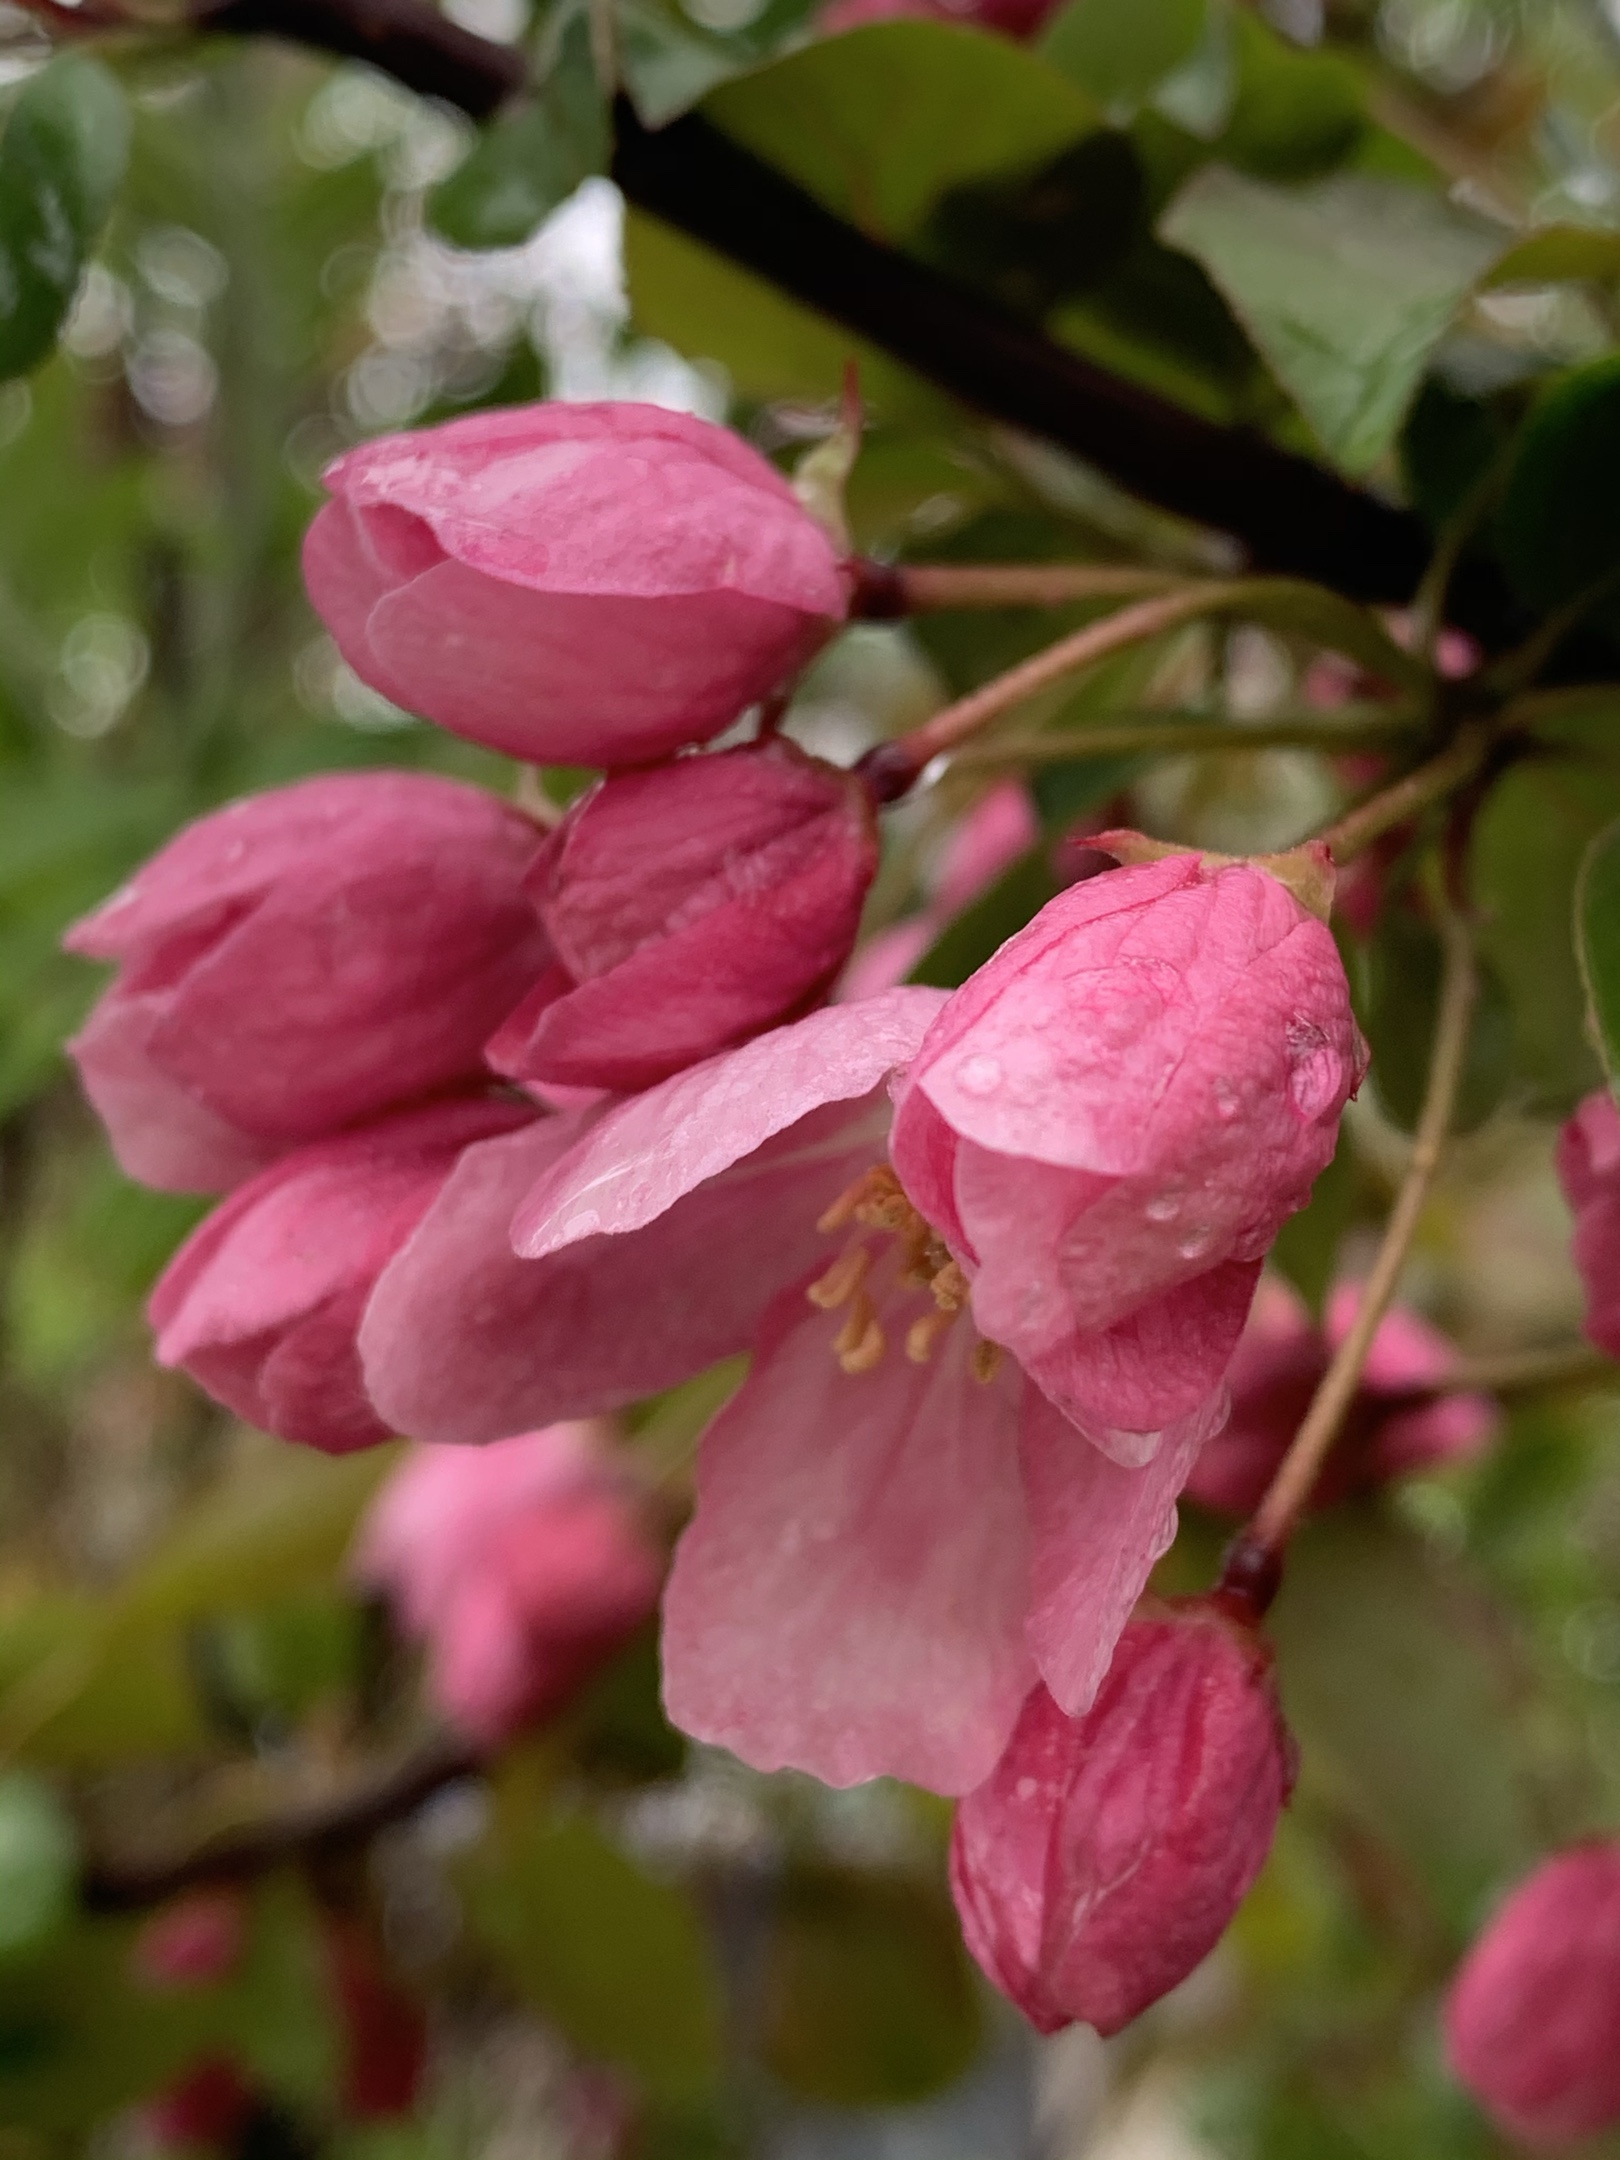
1104,1856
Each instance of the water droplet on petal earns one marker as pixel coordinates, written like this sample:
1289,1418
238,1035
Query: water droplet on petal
585,1224
1226,1100
1196,1245
1165,1208
1317,1079
979,1075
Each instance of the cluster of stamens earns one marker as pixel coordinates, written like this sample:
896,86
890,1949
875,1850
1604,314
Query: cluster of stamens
876,1202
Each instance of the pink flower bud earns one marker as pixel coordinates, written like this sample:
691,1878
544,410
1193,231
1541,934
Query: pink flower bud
300,960
384,2029
1533,2017
262,1303
1589,1171
522,1565
577,584
690,906
1392,1427
1103,1857
1109,1123
197,1939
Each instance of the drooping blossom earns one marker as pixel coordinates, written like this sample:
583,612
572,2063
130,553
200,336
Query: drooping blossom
197,1939
689,906
1532,2019
1109,1123
262,1303
578,584
1389,1430
522,1566
1589,1171
896,1533
999,828
300,960
1104,1856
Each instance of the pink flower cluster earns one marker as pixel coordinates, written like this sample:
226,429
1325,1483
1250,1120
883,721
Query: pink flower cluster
522,1125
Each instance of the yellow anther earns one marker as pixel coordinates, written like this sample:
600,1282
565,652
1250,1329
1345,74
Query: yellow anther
922,1335
860,1342
841,1281
986,1360
950,1287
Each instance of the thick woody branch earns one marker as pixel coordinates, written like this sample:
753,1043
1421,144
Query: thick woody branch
408,39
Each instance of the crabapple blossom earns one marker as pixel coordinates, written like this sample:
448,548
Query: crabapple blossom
301,960
896,1533
1386,1433
1532,2019
584,584
262,1302
522,1566
688,906
1104,1855
1589,1171
1109,1123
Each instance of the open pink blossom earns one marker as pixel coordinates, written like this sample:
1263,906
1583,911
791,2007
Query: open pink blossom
1589,1171
999,828
688,906
578,584
262,1302
1533,2017
1109,1123
1390,1429
522,1566
895,1533
300,960
1104,1856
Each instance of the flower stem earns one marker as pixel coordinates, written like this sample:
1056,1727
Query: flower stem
1257,1553
1172,732
893,767
1518,1371
884,590
1404,798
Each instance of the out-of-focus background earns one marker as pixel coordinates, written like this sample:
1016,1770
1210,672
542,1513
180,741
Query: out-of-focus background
601,1940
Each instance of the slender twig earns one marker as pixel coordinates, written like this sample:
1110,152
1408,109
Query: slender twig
1429,783
1178,733
1518,1371
1258,1550
891,589
302,1833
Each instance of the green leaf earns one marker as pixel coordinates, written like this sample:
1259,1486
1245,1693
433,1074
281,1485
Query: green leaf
1560,519
868,1997
527,162
1118,54
879,123
62,159
673,52
1390,1682
1346,287
1528,841
1294,114
1403,1001
1557,253
1597,942
617,1959
39,1863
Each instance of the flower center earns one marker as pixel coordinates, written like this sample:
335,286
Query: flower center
876,1204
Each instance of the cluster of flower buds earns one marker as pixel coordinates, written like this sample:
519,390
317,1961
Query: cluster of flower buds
520,1123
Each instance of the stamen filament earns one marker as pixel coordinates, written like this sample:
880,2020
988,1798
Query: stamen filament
922,1335
841,1281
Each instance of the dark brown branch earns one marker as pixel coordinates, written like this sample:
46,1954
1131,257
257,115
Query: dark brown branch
408,39
302,1834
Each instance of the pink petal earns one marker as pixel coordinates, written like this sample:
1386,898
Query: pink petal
646,1153
850,1595
1097,1529
160,1132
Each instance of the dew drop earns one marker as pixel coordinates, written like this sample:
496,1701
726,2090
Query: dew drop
1195,1246
1163,1209
1317,1079
1226,1100
585,1224
979,1075
1025,1789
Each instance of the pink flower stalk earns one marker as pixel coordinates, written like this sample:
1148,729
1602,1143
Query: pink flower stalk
1104,1856
1589,1171
999,828
197,1939
689,906
301,960
896,1533
1533,2016
262,1302
1386,1433
522,1565
576,584
1110,1122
